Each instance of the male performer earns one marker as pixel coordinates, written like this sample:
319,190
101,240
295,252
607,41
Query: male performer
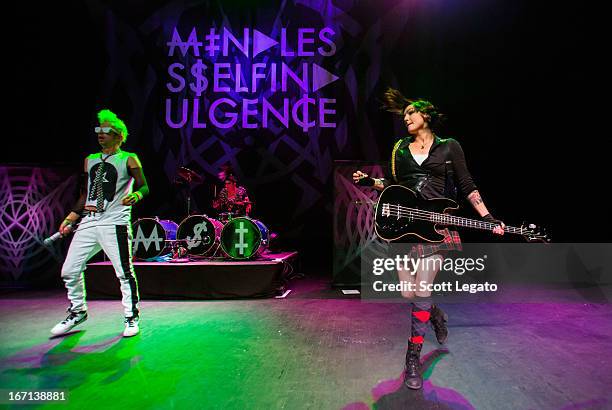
232,198
115,182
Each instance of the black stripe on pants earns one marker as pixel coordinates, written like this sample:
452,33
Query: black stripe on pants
124,254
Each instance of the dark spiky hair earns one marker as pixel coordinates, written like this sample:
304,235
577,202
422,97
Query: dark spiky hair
395,102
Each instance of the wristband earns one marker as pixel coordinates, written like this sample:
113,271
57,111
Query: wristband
491,219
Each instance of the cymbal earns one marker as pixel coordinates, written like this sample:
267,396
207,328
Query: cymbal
189,175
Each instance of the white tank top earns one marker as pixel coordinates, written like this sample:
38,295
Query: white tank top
116,184
420,158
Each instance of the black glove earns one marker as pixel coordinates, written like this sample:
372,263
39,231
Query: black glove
491,219
367,181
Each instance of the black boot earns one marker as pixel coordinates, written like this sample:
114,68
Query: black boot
413,379
438,321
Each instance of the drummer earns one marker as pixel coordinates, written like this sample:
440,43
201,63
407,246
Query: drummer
233,198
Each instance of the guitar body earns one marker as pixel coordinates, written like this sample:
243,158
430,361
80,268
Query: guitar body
394,222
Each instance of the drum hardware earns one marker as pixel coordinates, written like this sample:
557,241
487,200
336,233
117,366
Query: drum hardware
190,178
225,217
179,252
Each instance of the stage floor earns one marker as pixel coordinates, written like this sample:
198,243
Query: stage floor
315,349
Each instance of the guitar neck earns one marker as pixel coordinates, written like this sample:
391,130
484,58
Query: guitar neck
445,219
471,223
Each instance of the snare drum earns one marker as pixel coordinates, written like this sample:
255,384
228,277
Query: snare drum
244,238
199,234
151,237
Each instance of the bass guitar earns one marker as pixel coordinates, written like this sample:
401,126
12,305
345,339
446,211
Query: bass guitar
400,212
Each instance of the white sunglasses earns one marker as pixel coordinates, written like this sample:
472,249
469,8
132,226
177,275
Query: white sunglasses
104,130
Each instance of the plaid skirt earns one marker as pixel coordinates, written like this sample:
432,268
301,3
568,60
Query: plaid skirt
452,242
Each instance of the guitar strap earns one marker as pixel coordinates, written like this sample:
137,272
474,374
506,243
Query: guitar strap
395,148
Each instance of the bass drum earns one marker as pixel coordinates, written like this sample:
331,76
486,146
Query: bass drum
200,234
244,238
151,237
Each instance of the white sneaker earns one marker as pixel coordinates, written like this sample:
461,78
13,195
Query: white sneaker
69,323
131,326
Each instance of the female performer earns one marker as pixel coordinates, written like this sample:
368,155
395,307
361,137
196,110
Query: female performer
423,162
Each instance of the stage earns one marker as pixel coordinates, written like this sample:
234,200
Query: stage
344,133
199,279
315,349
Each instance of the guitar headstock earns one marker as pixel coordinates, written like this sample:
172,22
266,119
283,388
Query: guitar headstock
534,233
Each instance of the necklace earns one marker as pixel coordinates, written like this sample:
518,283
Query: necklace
107,155
423,143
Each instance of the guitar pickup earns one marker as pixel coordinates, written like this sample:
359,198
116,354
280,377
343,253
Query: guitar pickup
385,210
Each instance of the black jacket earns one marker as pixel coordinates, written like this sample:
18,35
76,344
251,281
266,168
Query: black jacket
442,171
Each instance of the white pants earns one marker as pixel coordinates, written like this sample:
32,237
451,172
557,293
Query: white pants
116,241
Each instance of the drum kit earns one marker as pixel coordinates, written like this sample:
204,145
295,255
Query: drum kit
199,236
